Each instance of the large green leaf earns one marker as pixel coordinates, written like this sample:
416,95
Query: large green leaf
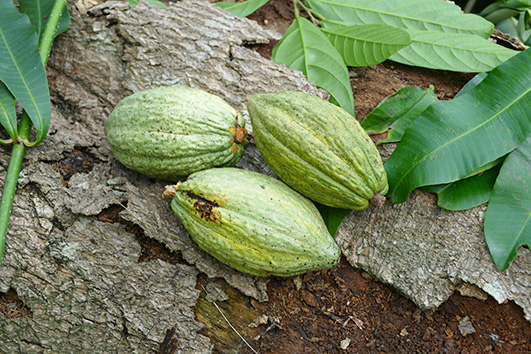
242,9
38,12
21,68
442,37
452,51
502,10
452,139
305,48
508,218
8,114
398,111
426,15
466,193
364,45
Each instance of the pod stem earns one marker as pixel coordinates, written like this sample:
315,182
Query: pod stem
377,200
171,190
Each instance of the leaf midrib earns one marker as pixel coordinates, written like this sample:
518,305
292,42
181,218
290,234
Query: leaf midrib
299,24
347,37
10,51
390,14
465,49
305,56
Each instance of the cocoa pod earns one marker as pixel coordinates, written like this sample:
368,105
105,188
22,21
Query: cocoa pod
170,132
318,149
254,223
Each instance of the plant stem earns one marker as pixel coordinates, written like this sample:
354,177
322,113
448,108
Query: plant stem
311,13
469,5
49,31
10,185
24,130
295,8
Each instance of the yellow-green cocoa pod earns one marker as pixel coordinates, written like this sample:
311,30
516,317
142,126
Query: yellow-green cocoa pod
171,132
254,223
318,149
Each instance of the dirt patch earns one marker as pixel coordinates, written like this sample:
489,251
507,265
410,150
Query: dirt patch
77,161
371,84
345,308
12,306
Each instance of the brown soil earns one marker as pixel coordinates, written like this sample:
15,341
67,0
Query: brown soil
345,306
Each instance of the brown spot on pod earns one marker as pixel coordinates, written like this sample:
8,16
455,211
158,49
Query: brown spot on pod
233,131
205,207
234,148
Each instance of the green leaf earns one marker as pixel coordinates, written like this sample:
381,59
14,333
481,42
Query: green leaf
502,10
452,51
508,218
524,26
442,37
467,193
486,167
471,84
21,68
305,48
452,139
364,45
38,12
242,9
398,111
332,217
133,3
158,3
426,15
8,114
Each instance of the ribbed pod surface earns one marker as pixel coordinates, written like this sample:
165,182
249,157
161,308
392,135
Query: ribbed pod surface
317,148
170,132
254,223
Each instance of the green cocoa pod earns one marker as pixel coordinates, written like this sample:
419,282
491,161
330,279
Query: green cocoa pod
318,149
170,132
254,223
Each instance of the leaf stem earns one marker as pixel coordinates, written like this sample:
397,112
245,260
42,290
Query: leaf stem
51,27
314,17
10,186
24,131
295,8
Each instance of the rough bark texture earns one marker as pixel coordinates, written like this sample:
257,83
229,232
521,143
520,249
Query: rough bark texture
80,276
427,253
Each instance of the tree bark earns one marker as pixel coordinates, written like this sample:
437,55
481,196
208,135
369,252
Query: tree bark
81,277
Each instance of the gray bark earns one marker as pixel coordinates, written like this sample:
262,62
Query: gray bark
81,277
427,253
